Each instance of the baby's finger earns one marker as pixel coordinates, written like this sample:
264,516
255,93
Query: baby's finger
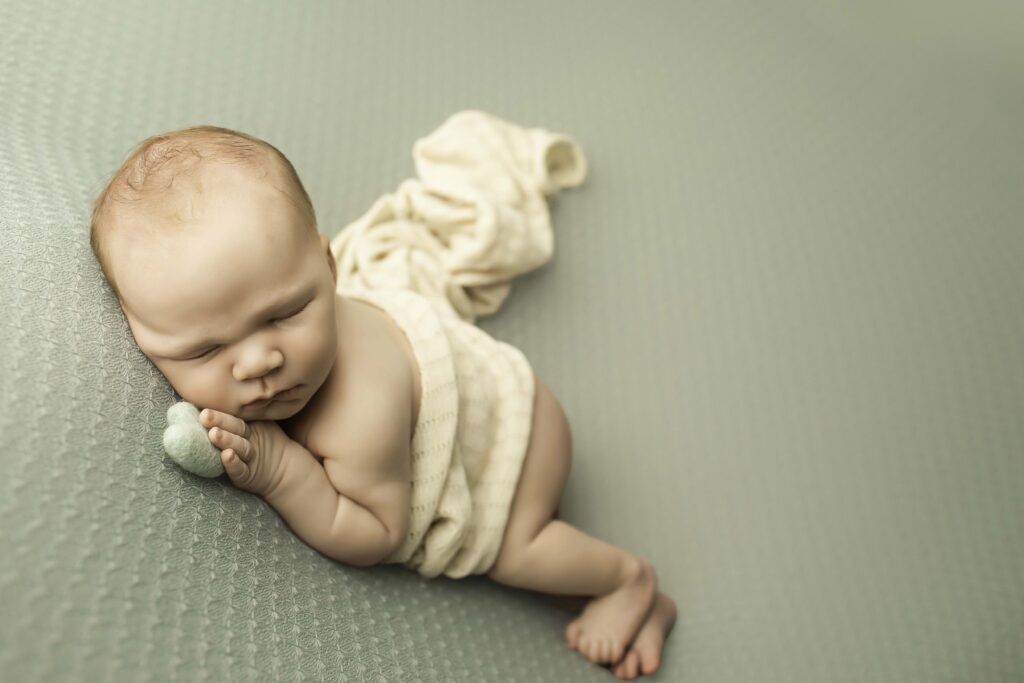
233,465
214,418
224,439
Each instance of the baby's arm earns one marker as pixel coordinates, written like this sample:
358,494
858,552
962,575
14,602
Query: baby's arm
259,457
327,520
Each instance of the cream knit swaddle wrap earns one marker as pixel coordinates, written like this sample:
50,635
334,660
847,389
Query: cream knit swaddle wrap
438,253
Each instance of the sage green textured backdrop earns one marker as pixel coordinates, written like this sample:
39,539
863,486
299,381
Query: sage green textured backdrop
784,317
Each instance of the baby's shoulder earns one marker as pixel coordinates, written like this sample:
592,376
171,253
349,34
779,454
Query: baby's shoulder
359,418
369,399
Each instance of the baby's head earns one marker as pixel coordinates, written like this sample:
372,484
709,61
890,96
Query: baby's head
210,243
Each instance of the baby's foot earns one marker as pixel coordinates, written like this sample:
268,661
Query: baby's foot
644,654
608,623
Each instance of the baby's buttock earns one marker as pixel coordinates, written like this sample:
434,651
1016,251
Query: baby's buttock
550,426
546,407
545,470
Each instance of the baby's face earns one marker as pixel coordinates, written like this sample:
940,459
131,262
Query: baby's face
237,309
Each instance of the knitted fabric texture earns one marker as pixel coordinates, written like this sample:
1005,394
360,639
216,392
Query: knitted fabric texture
476,218
434,255
470,439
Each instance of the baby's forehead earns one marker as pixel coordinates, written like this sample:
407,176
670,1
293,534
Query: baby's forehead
177,303
210,263
217,258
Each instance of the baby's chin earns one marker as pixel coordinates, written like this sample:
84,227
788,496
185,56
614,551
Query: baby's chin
278,410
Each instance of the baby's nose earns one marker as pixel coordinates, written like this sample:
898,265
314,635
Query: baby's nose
254,364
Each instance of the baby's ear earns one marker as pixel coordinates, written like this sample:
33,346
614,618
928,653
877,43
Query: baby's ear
330,258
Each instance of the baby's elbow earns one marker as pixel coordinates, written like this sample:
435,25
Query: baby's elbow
384,546
362,563
366,556
398,533
395,514
377,555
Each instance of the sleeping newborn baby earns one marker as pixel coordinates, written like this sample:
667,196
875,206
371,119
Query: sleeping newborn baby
313,397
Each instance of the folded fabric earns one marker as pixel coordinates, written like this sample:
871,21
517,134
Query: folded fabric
469,441
453,240
476,218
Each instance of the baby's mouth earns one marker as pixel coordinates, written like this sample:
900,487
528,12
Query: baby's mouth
289,394
285,395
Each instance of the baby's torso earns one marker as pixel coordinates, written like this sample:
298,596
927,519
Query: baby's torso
375,382
466,453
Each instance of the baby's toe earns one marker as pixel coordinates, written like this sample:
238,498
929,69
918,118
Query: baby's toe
615,652
572,635
632,663
649,659
592,646
594,649
627,667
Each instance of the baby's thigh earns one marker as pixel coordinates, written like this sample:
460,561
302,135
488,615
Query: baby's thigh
545,468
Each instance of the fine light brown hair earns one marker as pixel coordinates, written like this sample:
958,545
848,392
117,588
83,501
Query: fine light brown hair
144,181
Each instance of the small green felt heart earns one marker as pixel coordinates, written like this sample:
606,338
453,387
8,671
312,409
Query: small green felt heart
186,442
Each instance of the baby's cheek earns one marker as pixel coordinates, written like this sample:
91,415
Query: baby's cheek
206,388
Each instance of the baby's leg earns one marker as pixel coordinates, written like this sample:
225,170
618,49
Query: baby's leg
644,654
563,560
544,554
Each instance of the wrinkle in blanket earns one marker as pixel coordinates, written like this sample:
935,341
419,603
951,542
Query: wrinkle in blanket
453,240
476,217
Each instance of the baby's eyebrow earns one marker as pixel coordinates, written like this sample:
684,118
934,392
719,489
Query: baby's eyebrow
280,306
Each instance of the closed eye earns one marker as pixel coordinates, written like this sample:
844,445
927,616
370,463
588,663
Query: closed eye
204,353
287,317
293,314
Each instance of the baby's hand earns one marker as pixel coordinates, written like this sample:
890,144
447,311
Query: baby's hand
252,453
